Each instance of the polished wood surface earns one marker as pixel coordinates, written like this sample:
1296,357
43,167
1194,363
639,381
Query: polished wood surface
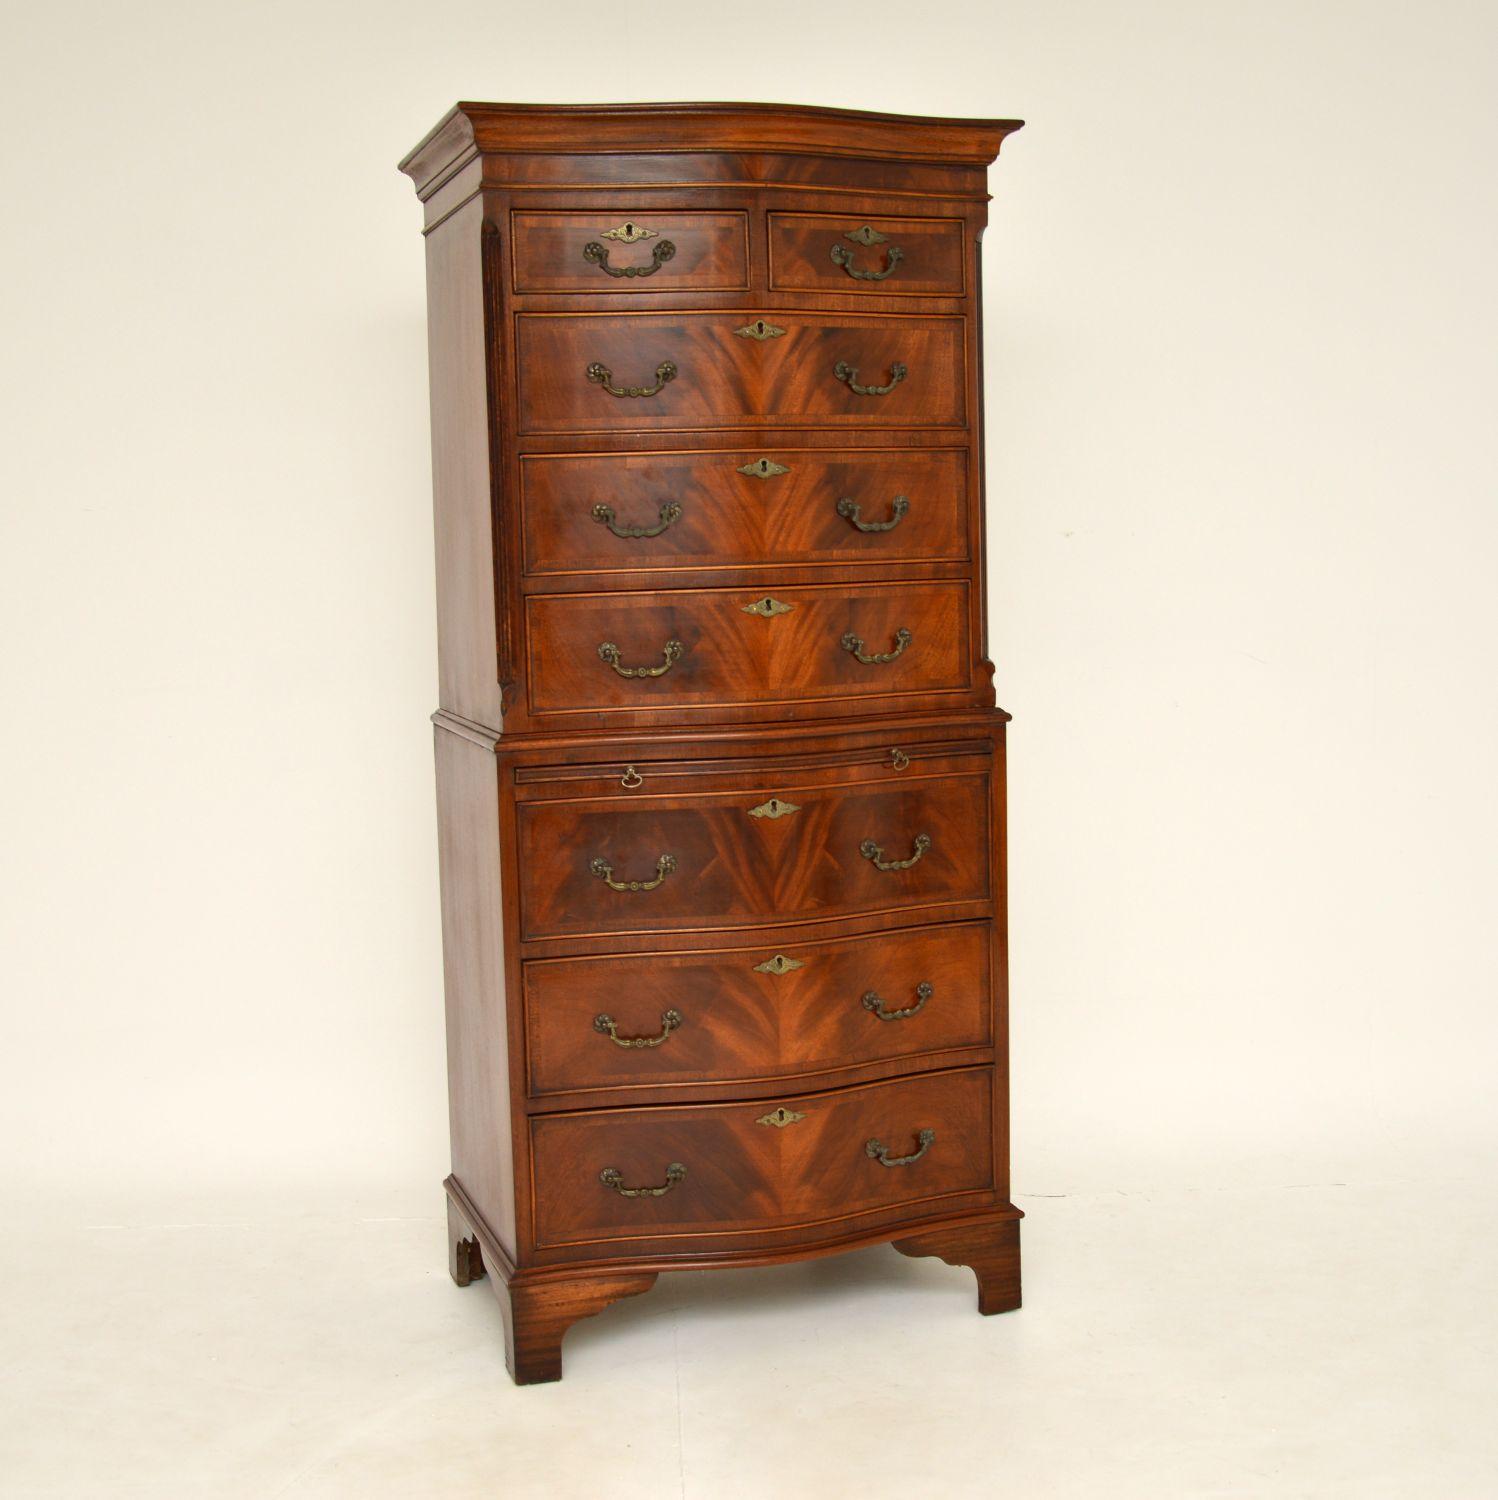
725,380
728,519
636,137
732,869
731,657
767,883
743,1176
473,954
752,1015
989,1250
830,253
708,252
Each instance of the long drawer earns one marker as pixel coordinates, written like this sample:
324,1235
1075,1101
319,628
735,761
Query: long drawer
722,1169
711,647
623,512
739,1015
628,372
762,849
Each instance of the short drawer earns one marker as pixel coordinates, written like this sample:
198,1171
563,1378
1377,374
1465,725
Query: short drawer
833,253
740,1015
765,849
630,372
677,648
724,1169
625,512
607,252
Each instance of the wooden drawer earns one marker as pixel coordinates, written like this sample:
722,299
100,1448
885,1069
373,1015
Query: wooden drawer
797,644
727,1172
695,370
741,1015
890,257
743,509
739,856
612,252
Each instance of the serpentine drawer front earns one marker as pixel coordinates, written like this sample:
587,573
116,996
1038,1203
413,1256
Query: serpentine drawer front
786,507
773,1010
720,775
795,1163
685,648
783,850
630,372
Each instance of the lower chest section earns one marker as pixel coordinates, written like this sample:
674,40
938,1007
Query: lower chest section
757,1000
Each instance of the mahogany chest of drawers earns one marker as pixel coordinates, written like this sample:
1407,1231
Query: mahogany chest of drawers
720,776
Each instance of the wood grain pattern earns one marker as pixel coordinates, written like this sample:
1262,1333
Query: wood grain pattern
767,755
734,870
631,133
473,959
731,657
743,1176
469,623
710,251
743,1022
724,381
729,519
990,1250
930,259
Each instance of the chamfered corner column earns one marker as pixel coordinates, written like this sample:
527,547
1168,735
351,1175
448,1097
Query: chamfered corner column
990,1251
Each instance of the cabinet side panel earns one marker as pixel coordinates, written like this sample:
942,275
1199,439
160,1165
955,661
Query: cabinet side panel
1000,844
478,1070
467,629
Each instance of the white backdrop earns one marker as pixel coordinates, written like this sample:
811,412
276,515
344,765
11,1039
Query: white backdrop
1241,382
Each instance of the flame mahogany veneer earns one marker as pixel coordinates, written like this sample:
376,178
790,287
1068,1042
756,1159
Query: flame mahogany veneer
720,776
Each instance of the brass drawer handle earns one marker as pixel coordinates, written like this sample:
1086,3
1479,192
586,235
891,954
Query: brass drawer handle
899,509
843,256
669,512
605,872
848,374
665,372
612,1177
853,644
670,1020
870,850
599,256
875,1006
881,1153
672,650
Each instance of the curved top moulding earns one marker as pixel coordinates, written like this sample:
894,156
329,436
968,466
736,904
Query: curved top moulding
469,130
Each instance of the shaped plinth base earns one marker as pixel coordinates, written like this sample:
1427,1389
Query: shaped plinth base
990,1251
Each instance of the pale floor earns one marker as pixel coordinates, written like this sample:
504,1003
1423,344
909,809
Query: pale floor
1294,1341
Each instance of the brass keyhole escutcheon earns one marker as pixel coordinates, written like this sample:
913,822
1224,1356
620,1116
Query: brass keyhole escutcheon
774,808
780,1118
763,468
759,330
780,964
